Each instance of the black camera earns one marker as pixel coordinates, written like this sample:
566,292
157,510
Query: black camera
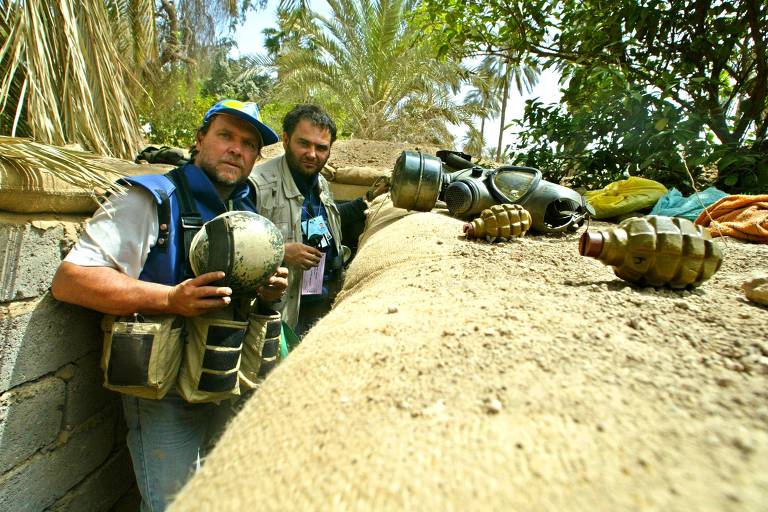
314,240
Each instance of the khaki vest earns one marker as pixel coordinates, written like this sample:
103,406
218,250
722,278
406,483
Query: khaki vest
279,200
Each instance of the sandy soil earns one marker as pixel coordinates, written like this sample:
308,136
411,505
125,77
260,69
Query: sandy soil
462,375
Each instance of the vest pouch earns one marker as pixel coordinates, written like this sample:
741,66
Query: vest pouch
211,360
261,350
141,355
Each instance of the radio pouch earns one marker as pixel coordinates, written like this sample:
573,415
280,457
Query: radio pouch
209,372
141,355
261,349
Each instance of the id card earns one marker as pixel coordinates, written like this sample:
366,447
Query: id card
312,282
316,227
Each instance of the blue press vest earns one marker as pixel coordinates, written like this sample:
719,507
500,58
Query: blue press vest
167,264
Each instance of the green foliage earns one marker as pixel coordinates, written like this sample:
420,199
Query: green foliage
240,79
372,70
174,116
643,79
611,131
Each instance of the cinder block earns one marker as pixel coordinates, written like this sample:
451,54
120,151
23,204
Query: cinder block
40,336
42,480
102,488
86,395
31,249
30,418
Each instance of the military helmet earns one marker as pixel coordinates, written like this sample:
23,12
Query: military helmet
245,245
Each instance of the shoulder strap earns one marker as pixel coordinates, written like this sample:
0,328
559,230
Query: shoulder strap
191,221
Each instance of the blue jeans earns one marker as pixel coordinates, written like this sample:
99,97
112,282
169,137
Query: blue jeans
167,439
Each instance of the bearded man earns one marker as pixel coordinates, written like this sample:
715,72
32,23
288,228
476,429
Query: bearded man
291,193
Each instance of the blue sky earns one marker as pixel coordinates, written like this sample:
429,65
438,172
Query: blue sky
249,40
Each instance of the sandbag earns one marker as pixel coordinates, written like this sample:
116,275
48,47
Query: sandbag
379,215
346,192
625,196
448,377
355,175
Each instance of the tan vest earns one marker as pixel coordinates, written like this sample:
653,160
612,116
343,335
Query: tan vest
278,199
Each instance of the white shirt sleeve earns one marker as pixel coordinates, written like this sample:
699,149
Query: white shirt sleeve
120,233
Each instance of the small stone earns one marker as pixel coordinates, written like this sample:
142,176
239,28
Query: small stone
439,242
490,331
391,309
682,304
723,382
756,289
492,405
634,323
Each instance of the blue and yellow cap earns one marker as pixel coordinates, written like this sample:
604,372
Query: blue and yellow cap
247,111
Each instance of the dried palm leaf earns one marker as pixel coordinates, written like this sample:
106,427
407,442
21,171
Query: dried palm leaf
78,168
76,85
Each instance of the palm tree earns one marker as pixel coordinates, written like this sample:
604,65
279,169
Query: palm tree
507,70
484,103
375,71
71,70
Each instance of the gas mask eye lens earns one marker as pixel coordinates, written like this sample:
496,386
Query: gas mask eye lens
513,184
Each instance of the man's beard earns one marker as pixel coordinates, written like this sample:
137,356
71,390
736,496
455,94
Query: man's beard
295,165
222,178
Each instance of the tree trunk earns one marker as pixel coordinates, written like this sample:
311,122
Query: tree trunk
503,110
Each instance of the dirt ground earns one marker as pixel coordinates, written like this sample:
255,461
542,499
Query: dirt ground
463,375
361,152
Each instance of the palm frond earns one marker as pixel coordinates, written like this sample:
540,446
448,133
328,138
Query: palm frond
365,57
76,85
77,168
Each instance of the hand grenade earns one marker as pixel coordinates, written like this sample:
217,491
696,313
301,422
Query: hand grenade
655,250
499,222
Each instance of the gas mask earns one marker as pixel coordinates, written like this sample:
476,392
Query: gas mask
419,181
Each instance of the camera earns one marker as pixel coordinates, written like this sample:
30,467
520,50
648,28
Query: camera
314,240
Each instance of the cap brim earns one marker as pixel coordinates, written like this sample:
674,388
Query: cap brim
268,136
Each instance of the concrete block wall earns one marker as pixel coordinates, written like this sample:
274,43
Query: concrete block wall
62,436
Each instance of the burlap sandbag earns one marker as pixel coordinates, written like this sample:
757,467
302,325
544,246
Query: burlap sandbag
450,376
379,215
355,175
345,192
39,191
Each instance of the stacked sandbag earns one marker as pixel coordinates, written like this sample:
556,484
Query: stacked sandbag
454,375
350,182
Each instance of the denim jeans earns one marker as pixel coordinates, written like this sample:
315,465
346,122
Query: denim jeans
167,439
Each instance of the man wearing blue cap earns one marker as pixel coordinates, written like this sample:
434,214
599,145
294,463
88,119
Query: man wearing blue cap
133,260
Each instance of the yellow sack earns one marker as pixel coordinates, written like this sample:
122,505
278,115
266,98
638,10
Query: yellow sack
625,196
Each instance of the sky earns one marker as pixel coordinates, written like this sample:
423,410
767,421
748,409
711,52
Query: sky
249,39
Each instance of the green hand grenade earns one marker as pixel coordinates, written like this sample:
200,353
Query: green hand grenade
499,222
655,250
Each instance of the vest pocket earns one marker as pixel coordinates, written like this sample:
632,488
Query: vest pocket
261,349
211,359
141,355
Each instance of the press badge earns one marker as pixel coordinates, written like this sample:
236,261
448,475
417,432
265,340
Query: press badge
316,227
